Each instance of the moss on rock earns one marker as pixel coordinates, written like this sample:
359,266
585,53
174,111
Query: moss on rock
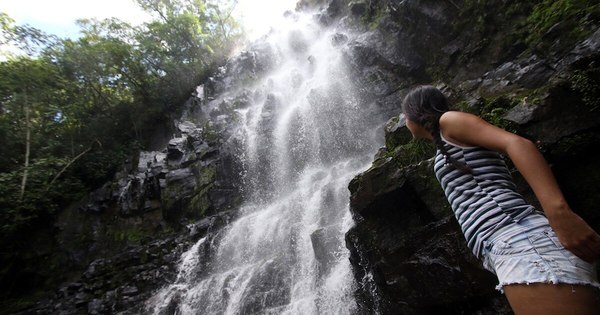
579,15
396,132
412,153
206,175
200,203
586,81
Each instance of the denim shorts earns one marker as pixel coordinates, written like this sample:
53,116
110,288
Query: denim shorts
529,252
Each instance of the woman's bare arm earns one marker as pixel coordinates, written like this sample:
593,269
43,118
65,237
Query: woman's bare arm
574,233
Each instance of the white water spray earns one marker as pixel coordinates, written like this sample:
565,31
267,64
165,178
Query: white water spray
305,137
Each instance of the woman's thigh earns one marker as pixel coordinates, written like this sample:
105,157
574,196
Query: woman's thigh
542,298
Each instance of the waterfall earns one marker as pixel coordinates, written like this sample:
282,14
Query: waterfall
304,135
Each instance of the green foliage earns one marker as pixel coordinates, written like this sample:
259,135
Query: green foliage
16,305
131,235
493,111
80,107
464,106
206,175
580,13
373,14
498,30
200,203
587,83
24,38
575,144
186,40
209,133
484,17
413,152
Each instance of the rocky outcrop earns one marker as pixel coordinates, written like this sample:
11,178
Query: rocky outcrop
408,253
165,191
121,283
124,240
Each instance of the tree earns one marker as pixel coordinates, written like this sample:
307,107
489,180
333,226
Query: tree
186,41
24,77
71,111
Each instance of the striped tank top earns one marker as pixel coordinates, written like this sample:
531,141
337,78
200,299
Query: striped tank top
484,200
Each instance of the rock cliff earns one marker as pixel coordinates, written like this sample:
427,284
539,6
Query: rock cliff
407,249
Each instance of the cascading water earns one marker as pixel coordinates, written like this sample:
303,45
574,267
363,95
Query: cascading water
304,135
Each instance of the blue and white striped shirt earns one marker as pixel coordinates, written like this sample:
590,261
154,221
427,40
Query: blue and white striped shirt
485,199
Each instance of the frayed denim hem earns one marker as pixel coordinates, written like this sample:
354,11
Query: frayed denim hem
596,285
530,252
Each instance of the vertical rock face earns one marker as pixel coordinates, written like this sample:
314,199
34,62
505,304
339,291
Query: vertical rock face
125,240
160,190
129,234
408,253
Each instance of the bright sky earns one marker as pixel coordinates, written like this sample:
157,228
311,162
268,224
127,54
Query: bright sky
58,16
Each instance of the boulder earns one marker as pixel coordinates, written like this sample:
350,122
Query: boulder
396,132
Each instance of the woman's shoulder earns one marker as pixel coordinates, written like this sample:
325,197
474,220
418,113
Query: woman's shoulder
454,116
471,130
450,121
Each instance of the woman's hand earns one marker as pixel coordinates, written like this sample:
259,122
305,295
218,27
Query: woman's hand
576,235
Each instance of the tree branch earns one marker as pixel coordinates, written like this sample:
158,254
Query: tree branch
71,162
27,148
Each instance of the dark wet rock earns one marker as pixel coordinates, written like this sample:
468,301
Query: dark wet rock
257,59
331,10
407,247
396,132
121,283
583,50
374,73
389,105
408,253
268,287
530,73
550,120
525,112
358,7
430,25
181,184
81,298
321,240
130,290
96,306
98,200
339,39
176,150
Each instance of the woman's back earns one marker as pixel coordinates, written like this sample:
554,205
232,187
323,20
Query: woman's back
484,197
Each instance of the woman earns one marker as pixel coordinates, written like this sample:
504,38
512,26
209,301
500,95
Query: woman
545,264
